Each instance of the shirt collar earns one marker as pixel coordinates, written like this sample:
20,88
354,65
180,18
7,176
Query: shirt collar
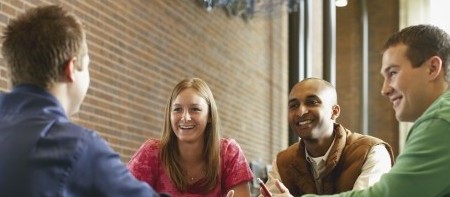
321,158
42,93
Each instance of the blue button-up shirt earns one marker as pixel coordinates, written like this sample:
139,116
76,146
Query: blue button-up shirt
43,154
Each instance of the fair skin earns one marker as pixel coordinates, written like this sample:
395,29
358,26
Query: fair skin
189,118
312,113
411,90
73,85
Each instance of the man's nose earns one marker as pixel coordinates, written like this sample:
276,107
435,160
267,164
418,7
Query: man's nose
386,89
302,109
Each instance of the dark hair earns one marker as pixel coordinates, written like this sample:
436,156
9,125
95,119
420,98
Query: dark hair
39,43
423,42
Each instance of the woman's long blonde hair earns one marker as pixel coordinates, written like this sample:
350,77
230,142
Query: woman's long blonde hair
170,155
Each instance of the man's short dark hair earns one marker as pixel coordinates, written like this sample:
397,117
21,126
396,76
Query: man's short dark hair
423,42
39,43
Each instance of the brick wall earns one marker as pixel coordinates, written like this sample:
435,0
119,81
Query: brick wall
140,49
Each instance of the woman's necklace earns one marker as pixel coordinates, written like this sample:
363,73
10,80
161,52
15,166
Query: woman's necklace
193,178
194,170
195,174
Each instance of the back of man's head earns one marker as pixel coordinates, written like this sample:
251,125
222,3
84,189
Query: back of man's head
39,43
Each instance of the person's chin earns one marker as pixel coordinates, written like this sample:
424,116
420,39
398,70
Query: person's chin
304,134
400,116
404,118
185,137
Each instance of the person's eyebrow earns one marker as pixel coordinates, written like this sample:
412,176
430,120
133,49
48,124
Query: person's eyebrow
312,97
292,100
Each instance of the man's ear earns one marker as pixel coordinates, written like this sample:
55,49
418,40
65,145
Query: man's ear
336,110
69,69
435,67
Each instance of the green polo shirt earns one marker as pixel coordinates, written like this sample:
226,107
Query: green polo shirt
423,169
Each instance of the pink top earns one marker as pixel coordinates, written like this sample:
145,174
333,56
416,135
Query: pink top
146,166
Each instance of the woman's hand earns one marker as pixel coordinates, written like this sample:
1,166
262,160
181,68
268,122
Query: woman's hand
283,190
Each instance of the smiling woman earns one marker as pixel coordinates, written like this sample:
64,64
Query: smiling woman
189,116
190,158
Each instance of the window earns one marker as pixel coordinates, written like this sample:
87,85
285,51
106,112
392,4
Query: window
439,14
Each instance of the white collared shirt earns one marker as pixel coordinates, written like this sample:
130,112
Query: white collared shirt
318,166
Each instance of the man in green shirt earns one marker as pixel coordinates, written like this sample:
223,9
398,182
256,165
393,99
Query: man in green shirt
416,75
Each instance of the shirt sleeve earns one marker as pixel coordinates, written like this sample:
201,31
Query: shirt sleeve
378,162
143,164
422,169
236,169
111,177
